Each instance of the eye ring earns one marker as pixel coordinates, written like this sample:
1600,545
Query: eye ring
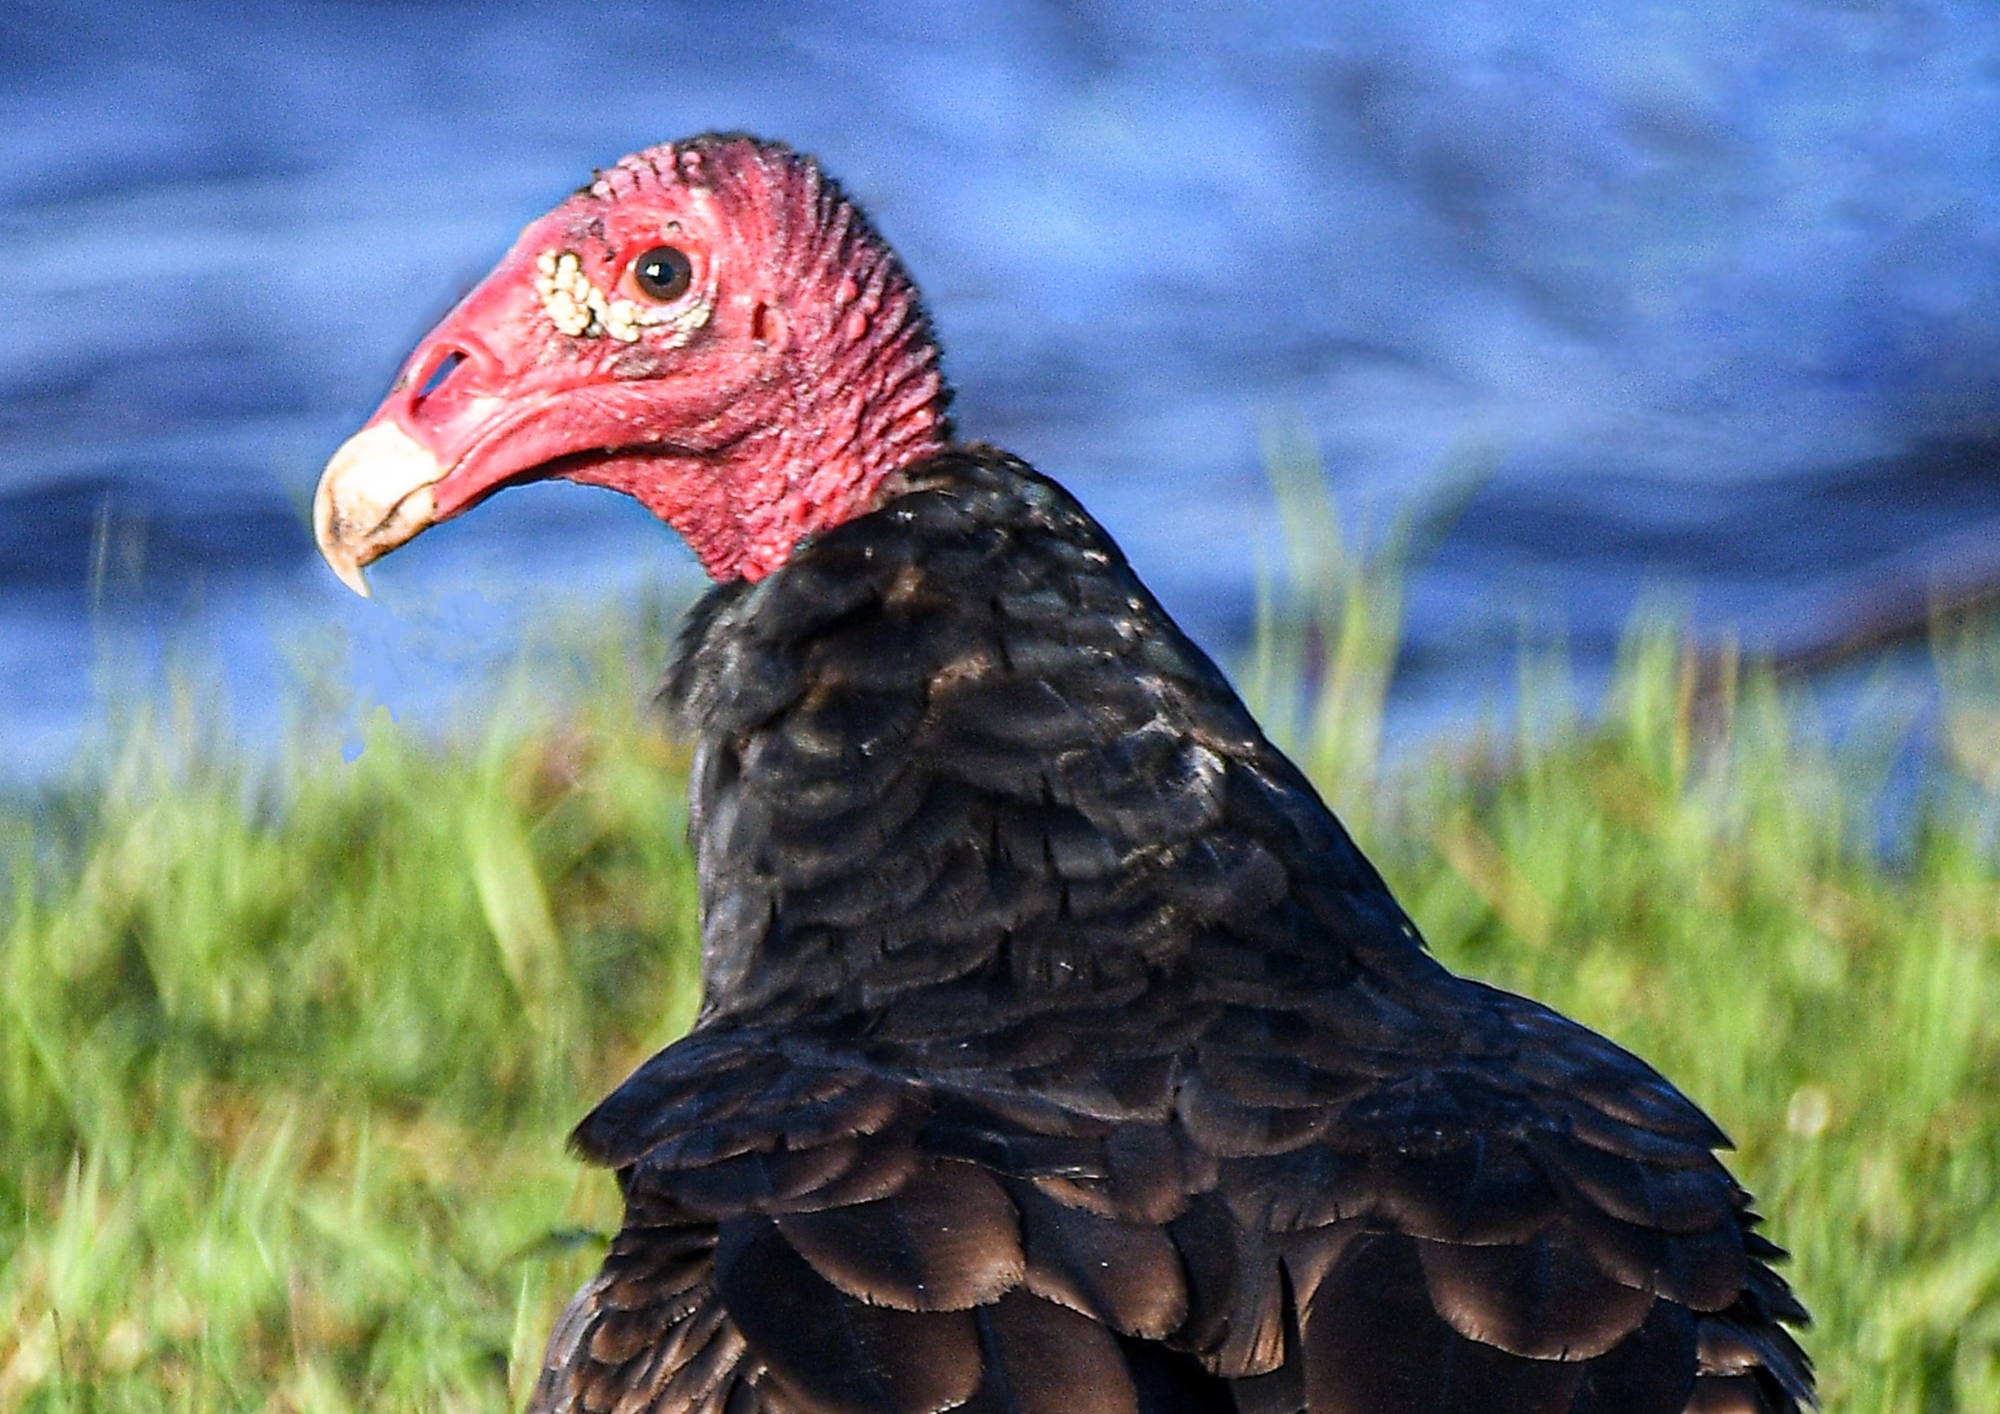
662,273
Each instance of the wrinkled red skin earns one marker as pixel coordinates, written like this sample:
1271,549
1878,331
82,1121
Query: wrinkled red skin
813,380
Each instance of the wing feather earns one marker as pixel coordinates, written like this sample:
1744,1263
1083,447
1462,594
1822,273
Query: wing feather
832,1353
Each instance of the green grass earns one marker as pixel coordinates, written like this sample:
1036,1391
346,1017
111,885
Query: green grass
287,1057
288,1052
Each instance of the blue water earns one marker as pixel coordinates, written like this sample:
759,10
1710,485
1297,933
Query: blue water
1710,294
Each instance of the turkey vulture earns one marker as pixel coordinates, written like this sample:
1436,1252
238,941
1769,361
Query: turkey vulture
1059,1051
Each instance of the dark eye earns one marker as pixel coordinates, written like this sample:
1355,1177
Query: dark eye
663,273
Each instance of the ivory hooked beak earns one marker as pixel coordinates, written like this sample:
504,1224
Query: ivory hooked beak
374,495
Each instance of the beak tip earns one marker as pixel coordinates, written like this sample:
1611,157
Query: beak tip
373,496
351,576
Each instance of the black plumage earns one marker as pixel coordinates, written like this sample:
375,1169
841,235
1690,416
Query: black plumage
1060,1052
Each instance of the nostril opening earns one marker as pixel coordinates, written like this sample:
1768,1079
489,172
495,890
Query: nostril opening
445,368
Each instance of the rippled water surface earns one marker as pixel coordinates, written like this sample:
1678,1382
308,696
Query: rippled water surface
1710,299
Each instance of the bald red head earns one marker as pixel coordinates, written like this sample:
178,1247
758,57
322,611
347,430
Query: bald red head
710,327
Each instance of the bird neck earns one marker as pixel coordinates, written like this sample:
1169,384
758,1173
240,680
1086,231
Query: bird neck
865,409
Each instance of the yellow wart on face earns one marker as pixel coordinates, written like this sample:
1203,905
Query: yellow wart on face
581,310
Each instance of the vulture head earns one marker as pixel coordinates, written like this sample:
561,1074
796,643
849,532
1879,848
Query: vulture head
709,326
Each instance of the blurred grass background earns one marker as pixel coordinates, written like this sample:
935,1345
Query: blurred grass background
288,1049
